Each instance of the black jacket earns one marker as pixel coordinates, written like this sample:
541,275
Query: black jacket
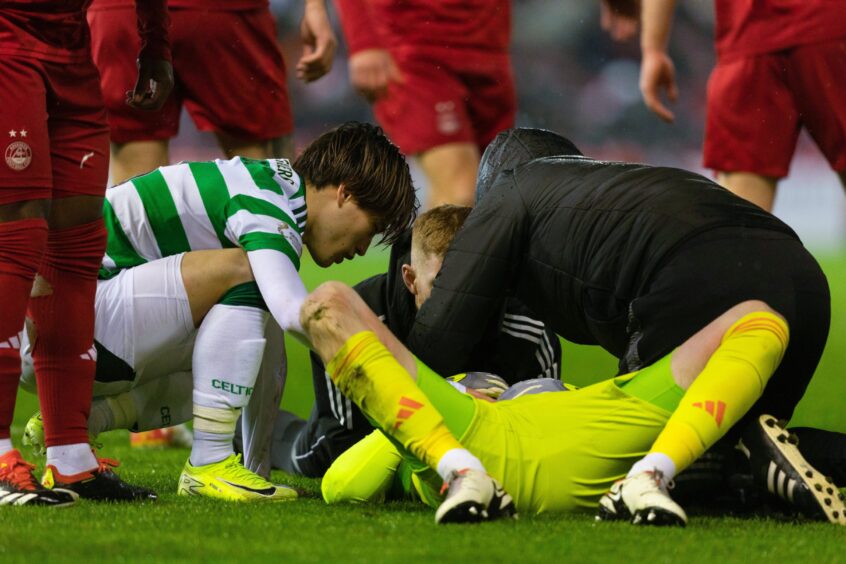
574,239
514,345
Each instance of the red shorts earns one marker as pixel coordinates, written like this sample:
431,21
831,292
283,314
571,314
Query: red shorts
449,98
53,130
229,71
757,106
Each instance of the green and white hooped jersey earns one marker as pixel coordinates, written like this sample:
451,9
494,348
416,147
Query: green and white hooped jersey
190,206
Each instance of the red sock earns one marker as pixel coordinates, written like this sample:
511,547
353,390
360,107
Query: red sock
22,245
63,354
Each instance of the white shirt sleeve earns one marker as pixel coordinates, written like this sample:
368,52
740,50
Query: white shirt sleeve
280,286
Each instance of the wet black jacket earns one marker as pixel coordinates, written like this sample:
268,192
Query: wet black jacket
515,345
574,239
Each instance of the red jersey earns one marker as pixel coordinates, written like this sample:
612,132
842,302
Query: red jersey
453,24
56,30
753,27
215,5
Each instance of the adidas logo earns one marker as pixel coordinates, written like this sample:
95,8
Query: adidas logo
11,343
409,408
15,498
716,409
90,354
779,483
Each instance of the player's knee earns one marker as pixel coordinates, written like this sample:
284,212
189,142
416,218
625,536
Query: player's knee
768,326
339,485
333,486
325,306
753,306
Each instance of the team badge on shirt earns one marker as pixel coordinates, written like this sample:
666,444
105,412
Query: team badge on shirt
18,153
291,236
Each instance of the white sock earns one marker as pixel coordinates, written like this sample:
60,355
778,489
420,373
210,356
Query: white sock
110,413
101,418
457,459
654,461
5,446
71,459
163,402
227,357
209,448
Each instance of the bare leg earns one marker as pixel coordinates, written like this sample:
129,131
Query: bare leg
272,148
137,157
451,170
731,361
207,275
691,357
334,312
760,190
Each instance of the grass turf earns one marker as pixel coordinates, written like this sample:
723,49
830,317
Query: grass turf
189,529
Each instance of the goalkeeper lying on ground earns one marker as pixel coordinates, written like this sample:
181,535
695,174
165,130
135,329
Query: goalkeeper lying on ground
565,451
514,345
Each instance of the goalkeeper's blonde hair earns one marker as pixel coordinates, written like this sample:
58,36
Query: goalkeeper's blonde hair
434,230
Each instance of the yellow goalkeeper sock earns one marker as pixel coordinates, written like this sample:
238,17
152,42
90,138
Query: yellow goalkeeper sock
731,382
367,373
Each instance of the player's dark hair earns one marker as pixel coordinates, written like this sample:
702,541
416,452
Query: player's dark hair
434,230
372,169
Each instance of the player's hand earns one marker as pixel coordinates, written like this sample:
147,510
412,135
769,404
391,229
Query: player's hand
481,384
154,84
319,42
620,18
658,74
372,71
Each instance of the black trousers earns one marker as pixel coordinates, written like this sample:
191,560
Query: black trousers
719,269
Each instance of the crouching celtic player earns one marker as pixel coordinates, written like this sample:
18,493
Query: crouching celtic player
563,451
169,300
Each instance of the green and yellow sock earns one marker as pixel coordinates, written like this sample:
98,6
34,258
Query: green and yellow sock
731,382
366,372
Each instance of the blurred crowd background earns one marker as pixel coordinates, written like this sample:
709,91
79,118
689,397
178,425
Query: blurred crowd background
573,78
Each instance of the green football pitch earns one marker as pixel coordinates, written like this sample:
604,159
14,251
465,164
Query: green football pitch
189,529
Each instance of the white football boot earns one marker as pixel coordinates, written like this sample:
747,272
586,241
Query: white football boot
473,496
642,499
